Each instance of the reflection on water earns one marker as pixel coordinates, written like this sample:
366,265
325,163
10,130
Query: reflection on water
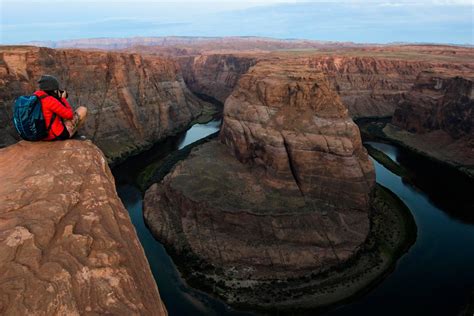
199,131
433,278
389,150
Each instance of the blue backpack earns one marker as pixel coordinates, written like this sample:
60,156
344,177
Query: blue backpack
28,118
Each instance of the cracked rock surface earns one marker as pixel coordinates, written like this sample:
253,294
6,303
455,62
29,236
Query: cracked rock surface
67,245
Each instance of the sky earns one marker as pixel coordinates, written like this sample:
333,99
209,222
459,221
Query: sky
369,21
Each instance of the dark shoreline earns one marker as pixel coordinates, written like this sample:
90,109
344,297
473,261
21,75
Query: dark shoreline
371,128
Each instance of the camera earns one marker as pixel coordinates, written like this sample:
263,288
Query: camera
63,94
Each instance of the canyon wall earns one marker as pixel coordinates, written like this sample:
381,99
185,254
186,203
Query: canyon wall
133,101
285,192
438,101
437,118
369,86
214,75
67,245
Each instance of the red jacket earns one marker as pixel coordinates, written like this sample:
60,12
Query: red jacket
51,105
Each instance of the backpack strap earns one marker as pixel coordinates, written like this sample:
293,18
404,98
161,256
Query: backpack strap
41,97
51,122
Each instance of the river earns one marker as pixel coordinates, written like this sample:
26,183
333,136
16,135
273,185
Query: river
434,277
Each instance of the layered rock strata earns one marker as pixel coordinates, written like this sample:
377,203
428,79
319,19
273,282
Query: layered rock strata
285,192
67,245
369,83
215,75
437,118
133,101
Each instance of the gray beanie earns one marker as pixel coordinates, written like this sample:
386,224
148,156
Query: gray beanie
48,83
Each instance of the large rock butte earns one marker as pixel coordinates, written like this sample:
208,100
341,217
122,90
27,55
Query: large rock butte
285,192
133,101
67,245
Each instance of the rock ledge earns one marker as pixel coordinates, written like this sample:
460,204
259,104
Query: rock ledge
67,245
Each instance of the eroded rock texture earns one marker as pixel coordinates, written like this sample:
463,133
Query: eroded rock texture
437,118
67,245
287,119
438,101
215,75
369,82
133,101
285,192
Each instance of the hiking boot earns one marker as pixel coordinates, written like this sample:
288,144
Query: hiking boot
79,137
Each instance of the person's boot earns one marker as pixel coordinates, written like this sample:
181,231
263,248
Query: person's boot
79,137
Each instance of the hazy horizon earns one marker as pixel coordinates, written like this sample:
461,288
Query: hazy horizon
443,22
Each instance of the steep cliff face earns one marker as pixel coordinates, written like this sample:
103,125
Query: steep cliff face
284,193
284,117
214,75
67,246
437,117
369,86
133,101
438,101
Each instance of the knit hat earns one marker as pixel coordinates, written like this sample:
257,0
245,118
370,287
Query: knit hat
48,83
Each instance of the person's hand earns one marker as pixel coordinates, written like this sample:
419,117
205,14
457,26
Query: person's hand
63,94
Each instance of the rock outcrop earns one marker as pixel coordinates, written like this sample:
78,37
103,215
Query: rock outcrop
133,101
437,118
285,192
286,119
67,245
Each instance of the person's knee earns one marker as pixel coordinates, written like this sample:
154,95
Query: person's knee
82,112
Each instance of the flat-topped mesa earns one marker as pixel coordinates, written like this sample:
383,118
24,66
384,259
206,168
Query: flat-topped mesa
133,101
67,245
287,120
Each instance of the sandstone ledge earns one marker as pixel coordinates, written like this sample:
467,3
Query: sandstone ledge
67,245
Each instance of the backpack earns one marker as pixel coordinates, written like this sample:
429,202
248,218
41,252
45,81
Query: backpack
28,118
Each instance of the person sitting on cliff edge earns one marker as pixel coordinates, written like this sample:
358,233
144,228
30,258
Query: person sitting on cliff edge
66,121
